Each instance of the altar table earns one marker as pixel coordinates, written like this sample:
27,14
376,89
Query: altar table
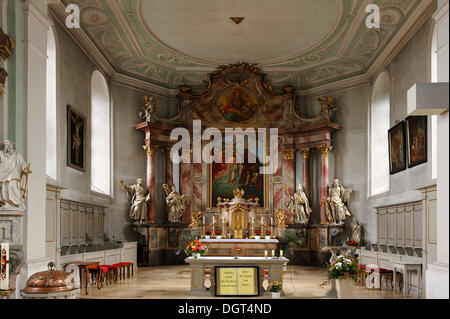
239,247
202,269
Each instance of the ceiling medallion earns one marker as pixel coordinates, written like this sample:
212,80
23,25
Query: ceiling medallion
237,20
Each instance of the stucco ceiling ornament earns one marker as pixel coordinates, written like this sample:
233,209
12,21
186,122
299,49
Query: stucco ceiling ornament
143,47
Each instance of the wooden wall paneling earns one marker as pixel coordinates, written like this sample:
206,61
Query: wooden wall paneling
409,226
65,223
74,235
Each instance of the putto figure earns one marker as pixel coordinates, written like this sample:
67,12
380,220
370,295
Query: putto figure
138,199
175,203
13,178
337,203
298,204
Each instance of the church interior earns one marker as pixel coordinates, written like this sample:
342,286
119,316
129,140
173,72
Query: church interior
208,149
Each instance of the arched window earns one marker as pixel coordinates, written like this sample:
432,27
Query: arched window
434,79
51,128
100,135
379,127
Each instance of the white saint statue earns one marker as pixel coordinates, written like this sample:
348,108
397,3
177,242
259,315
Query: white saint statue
175,203
139,201
337,201
298,204
13,178
356,234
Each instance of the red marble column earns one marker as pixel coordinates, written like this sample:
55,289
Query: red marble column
169,168
288,178
150,149
306,170
198,186
186,188
324,180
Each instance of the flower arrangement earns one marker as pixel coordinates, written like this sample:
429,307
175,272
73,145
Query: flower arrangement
257,232
208,233
275,286
196,248
343,268
352,243
268,233
217,233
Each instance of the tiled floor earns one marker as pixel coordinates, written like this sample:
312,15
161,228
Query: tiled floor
173,282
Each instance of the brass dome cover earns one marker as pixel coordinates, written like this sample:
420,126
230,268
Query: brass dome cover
50,281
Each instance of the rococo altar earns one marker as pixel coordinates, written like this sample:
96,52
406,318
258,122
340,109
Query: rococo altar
235,201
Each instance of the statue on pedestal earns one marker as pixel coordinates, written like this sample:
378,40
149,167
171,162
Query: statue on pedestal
356,234
175,203
136,195
337,203
298,204
13,178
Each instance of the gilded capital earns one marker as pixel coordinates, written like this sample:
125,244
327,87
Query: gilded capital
325,149
289,154
306,152
150,149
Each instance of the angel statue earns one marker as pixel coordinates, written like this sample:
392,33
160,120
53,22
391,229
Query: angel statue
14,173
196,216
149,108
337,203
136,195
298,204
175,203
327,106
280,219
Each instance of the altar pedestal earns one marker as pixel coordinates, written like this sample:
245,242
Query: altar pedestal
240,247
202,269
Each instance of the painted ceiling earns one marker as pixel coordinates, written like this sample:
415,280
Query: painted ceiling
302,43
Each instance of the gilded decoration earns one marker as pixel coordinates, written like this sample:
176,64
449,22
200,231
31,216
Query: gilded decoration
7,44
306,152
237,104
325,150
289,154
150,149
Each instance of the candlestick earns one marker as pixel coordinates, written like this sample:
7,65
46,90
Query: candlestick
266,253
273,253
213,235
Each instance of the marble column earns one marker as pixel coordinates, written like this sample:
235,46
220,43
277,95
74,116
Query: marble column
151,149
169,168
324,180
186,187
288,170
306,152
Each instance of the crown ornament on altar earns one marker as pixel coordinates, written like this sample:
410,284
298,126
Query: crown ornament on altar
238,193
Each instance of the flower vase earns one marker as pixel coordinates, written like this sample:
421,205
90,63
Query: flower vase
196,255
257,237
276,294
345,288
268,238
207,237
218,237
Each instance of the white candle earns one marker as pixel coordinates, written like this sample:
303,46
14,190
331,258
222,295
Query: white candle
266,253
4,256
281,254
273,253
204,222
271,221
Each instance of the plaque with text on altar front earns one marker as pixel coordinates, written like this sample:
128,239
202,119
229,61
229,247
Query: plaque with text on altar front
237,281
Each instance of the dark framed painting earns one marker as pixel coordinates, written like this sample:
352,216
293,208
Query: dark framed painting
76,139
416,133
223,178
397,148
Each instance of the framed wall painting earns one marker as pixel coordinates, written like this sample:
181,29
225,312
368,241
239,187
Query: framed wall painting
76,139
416,133
397,148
